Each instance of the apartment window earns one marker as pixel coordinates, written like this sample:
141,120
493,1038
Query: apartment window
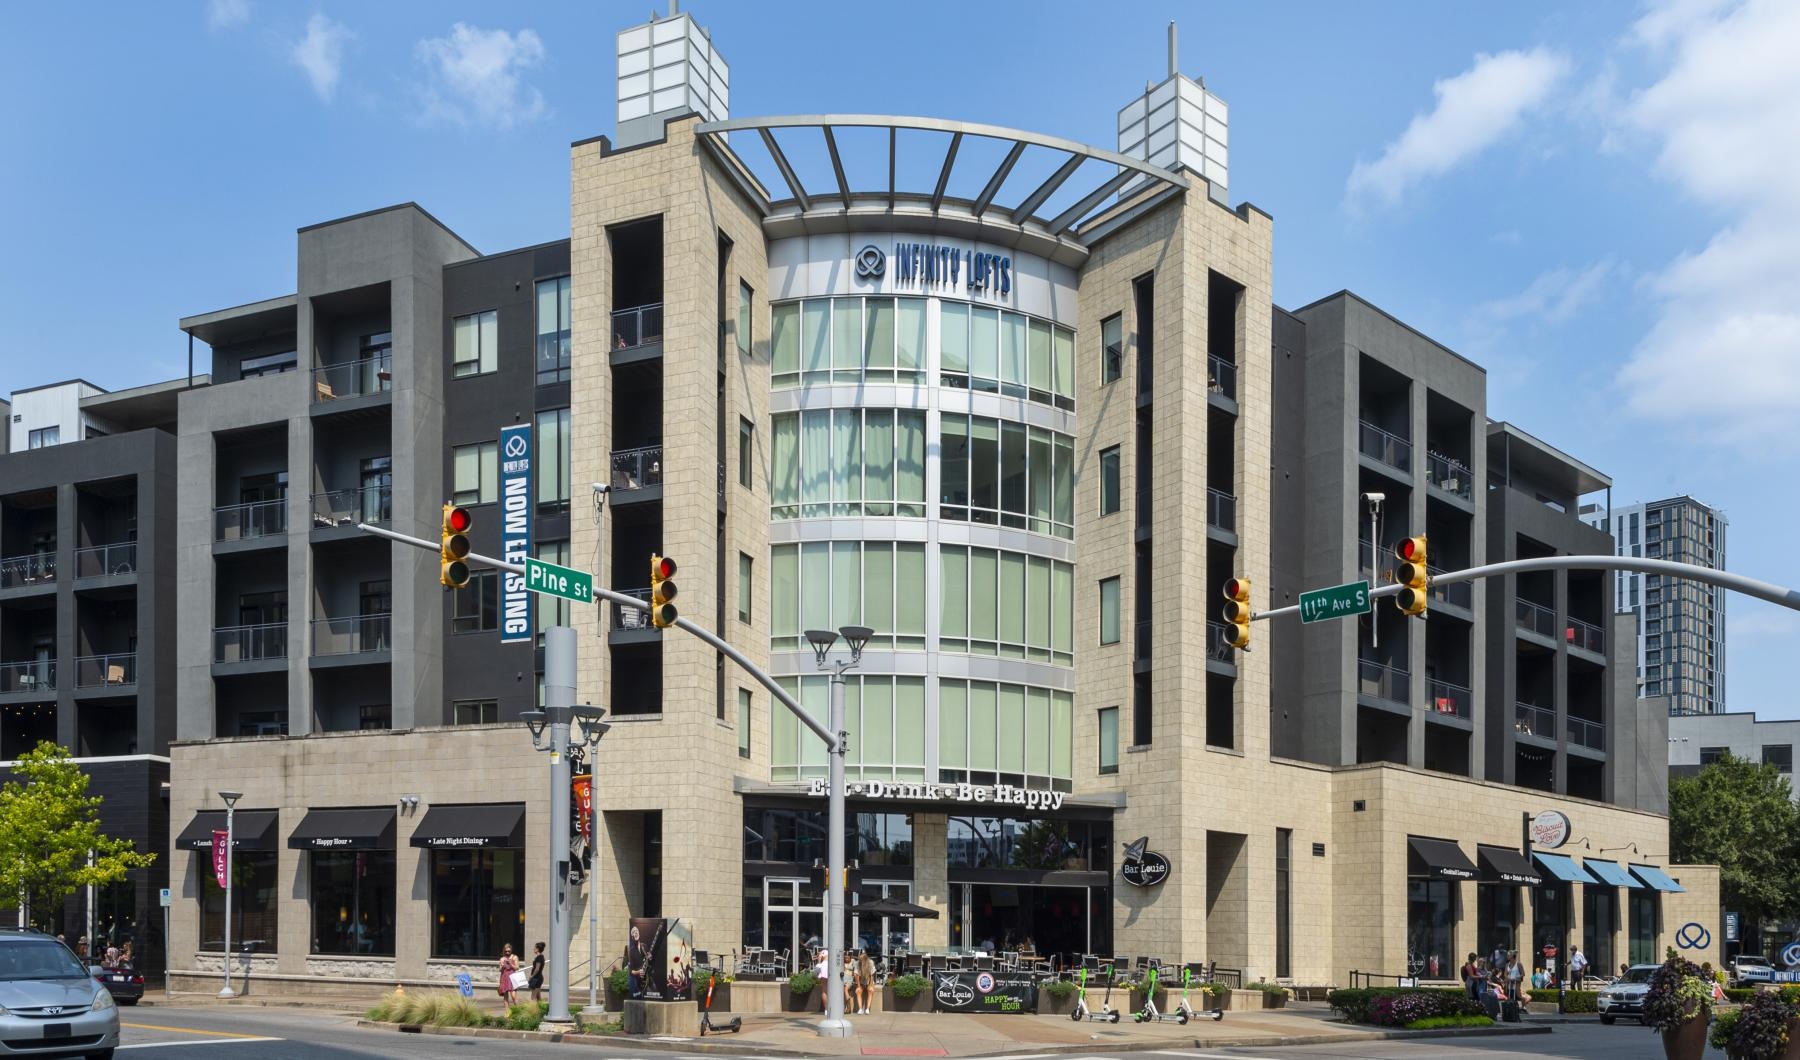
886,716
475,345
1779,755
825,585
267,364
1284,897
746,582
743,318
44,436
475,473
1008,474
373,716
746,451
1709,755
551,466
1109,740
995,602
475,608
551,610
1109,480
1109,611
743,725
1003,733
474,712
850,462
553,331
1112,348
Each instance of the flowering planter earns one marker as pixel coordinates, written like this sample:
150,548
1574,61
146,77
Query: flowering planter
892,1002
792,1002
1687,1041
1792,1052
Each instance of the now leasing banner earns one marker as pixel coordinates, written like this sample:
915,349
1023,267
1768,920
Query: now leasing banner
515,531
220,853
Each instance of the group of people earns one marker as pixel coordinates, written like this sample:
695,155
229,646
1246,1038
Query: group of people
858,974
111,957
534,980
1500,977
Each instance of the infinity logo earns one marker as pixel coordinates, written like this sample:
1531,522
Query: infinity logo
1693,936
870,262
515,446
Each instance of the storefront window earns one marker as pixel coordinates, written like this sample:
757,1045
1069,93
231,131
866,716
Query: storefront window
353,902
1599,919
1430,921
798,837
253,901
1006,603
1029,844
1496,917
477,902
1643,928
849,462
1549,922
831,584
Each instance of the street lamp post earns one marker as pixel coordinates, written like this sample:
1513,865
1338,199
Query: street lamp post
834,1025
592,731
231,800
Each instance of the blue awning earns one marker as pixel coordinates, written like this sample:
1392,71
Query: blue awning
1658,879
1562,867
1610,872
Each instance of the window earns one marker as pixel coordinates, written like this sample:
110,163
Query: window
885,717
992,733
474,712
743,724
1779,755
475,473
746,451
1007,604
1109,740
848,340
849,462
746,583
1709,755
1109,480
553,331
1430,913
828,584
1112,348
475,344
477,902
1284,933
475,608
1005,353
1109,611
352,902
551,610
44,436
371,717
1008,474
254,905
743,318
551,464
268,364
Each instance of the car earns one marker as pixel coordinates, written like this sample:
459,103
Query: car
1751,968
49,1004
122,981
1624,996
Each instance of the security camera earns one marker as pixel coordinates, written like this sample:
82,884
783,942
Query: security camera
1374,498
601,487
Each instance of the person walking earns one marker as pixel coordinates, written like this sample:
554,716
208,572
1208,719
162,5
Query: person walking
537,973
508,965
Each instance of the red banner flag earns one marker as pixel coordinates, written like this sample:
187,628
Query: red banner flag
220,846
583,787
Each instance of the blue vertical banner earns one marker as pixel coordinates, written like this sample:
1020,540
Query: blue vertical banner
515,532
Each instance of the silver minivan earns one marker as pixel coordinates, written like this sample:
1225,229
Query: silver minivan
49,1004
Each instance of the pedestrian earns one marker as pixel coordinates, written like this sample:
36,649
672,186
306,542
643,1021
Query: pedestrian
1497,959
1578,966
1624,966
81,948
1515,974
1469,972
112,957
849,975
125,954
537,973
821,970
508,965
865,980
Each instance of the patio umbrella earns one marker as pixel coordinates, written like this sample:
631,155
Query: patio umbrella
894,907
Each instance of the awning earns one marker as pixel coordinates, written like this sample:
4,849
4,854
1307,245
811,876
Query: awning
1657,878
1443,858
500,825
345,829
1562,867
250,830
1610,873
1506,865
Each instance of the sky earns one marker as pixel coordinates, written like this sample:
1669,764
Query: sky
1596,202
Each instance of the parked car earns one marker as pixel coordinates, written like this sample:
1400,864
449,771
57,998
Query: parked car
1624,996
1751,968
49,1004
122,981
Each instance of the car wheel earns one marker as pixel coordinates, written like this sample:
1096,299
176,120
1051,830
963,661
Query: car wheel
1608,1020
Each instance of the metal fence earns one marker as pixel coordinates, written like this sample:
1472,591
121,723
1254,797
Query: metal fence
1529,719
1452,699
1587,733
634,469
104,561
267,640
1585,635
240,522
1385,446
1221,510
638,326
1449,475
1383,681
357,635
367,504
1222,376
1535,618
371,375
1462,594
98,671
33,569
624,618
35,675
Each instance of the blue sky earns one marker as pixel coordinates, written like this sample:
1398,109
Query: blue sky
1597,204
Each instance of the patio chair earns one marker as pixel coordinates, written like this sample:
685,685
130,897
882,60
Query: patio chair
984,963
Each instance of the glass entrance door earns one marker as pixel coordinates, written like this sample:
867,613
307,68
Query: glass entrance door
793,918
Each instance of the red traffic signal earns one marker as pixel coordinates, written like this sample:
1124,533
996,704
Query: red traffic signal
662,592
453,548
665,568
457,520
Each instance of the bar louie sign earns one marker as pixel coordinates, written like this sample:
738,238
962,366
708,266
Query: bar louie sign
999,794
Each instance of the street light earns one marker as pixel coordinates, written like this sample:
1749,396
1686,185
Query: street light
834,1025
592,729
552,721
231,800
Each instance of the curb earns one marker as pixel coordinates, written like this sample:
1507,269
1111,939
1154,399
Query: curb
672,1045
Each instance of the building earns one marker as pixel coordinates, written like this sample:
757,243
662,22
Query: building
1698,740
1023,419
1681,646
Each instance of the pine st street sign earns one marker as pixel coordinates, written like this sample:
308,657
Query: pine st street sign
552,580
1339,601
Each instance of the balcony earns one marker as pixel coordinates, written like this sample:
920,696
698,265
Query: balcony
1221,377
103,671
1384,447
357,635
1383,681
1585,636
1588,734
1530,719
353,379
1457,594
31,677
247,522
637,469
1218,646
1221,510
32,571
346,508
629,625
266,642
1535,618
1450,700
106,561
637,327
1450,476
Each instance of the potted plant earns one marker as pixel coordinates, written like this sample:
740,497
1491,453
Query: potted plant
1677,1006
801,993
907,993
617,982
1056,997
1221,995
1765,1028
1140,988
1274,995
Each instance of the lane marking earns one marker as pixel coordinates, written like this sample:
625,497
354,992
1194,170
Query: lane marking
194,1030
236,1039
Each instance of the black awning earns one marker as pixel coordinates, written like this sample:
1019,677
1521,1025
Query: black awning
339,828
500,825
1442,858
1506,865
250,830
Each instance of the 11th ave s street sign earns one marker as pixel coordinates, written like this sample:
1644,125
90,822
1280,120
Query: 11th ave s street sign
551,580
1339,601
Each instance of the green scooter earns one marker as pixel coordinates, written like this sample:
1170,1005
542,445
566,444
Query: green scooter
1082,1012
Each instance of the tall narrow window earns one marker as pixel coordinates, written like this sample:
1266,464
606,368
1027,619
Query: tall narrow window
476,344
1112,348
743,318
746,582
1109,611
1284,844
1109,480
746,451
743,722
553,331
1109,740
552,463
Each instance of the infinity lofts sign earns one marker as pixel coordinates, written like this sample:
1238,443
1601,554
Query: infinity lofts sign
936,266
999,794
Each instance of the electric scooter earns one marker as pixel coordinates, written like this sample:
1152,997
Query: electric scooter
736,1023
1106,1013
1189,973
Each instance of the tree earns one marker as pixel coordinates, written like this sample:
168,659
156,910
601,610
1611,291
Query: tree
50,839
1740,817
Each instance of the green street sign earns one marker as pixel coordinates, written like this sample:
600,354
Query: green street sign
551,580
1339,601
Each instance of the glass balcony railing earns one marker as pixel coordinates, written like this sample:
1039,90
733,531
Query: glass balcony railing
371,375
624,617
105,561
37,568
1585,733
36,675
366,504
1383,681
1585,635
358,635
1389,448
241,522
1221,376
634,469
233,644
1452,699
1221,510
1218,647
1535,618
1462,594
98,671
638,326
1449,475
1530,719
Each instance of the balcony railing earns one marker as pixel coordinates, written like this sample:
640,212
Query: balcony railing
37,568
371,375
249,643
1449,475
1218,647
638,326
98,671
1530,719
1385,446
1221,376
1536,618
36,675
624,618
1383,681
1221,510
1585,733
365,504
634,469
102,561
1446,698
241,522
1585,635
358,635
1462,594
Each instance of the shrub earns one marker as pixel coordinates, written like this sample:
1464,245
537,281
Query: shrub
1724,1023
909,986
1357,1005
383,1011
1677,994
1217,989
1581,1000
458,1011
802,983
1761,1032
1740,995
1057,988
1410,1006
525,1016
619,982
1266,987
1432,1023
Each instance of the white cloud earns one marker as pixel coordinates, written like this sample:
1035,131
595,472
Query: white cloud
321,54
473,76
1553,297
224,14
1475,109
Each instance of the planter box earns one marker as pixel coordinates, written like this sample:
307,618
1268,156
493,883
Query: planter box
920,1002
1051,1005
1254,999
758,997
1137,999
721,998
792,1002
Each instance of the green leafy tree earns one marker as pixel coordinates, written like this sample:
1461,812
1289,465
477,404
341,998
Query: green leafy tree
1739,816
50,839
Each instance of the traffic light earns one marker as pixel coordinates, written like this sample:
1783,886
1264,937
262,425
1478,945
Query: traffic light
662,592
453,555
1412,573
1237,613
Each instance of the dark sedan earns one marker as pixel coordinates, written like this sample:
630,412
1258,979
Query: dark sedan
122,981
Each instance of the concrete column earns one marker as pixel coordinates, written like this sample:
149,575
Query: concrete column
931,886
65,649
